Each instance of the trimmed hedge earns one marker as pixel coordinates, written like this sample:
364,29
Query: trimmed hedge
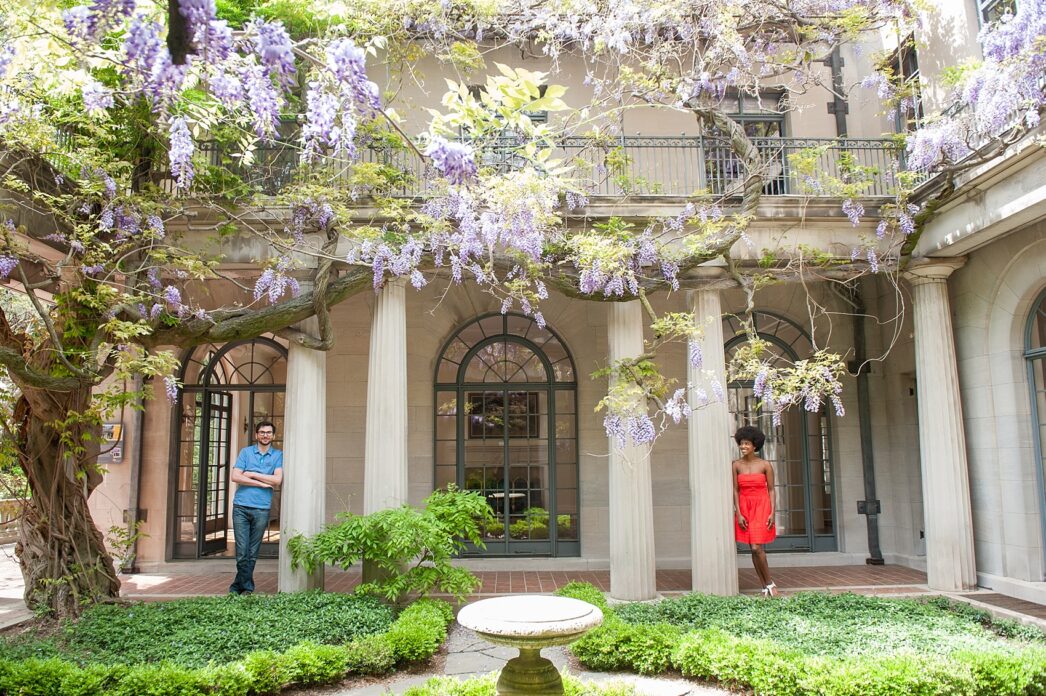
783,667
416,634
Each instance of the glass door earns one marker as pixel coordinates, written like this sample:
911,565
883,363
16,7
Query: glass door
507,460
214,485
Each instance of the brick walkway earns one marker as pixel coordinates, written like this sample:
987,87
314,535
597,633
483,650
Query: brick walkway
1012,603
865,579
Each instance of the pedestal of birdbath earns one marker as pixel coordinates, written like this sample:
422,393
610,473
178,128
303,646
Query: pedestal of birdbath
530,623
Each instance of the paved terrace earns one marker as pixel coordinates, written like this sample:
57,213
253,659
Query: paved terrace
863,579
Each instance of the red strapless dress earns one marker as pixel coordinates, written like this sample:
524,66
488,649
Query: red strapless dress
754,505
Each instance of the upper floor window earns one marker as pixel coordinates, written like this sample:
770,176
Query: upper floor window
761,116
903,64
993,10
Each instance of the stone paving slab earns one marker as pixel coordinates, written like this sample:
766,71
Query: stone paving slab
468,655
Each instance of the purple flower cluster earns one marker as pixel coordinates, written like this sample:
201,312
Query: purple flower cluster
173,298
147,61
328,125
348,64
7,265
198,13
97,97
884,89
263,99
853,210
156,226
170,387
85,22
274,282
454,161
873,260
641,429
615,429
7,54
1004,92
695,356
274,49
336,99
575,200
181,153
677,407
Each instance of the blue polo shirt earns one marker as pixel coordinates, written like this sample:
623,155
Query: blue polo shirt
251,459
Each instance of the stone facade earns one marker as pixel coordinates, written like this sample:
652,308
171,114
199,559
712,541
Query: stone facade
956,461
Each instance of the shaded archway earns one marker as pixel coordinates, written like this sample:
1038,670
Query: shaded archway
1035,355
800,447
506,427
226,390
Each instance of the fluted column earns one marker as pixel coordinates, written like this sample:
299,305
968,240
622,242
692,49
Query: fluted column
632,565
950,562
713,552
385,447
303,494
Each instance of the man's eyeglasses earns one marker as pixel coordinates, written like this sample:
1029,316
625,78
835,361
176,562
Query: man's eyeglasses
266,432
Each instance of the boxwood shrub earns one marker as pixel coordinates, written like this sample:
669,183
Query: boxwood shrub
830,645
415,634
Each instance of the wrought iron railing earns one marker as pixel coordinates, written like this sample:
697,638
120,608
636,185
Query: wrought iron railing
623,166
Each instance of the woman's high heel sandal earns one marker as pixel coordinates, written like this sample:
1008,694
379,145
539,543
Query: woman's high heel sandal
770,590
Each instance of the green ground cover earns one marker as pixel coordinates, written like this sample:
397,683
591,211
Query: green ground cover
222,646
198,631
814,643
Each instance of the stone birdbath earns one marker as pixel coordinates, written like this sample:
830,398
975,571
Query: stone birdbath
530,623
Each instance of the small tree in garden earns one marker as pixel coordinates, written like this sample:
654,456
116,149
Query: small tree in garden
411,548
105,106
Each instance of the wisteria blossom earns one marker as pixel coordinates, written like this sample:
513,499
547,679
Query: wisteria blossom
8,264
454,161
275,282
181,153
1004,92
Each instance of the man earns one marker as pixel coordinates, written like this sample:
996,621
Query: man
258,470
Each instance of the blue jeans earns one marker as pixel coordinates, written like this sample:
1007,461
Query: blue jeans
249,526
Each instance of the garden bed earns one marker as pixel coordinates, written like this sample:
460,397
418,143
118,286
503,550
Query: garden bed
221,646
816,643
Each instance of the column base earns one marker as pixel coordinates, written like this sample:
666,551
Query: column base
530,674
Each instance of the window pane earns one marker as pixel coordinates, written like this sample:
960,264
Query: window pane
1037,339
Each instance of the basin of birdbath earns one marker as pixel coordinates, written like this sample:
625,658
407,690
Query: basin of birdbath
530,623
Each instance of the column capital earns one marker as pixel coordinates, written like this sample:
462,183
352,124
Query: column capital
930,270
710,278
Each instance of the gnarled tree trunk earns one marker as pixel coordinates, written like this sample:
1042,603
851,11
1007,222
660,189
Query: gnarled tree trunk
62,554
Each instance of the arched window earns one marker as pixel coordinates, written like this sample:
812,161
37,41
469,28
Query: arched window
506,426
1035,355
226,390
800,448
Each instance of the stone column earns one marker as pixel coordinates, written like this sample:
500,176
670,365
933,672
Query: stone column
942,443
713,552
303,496
385,447
632,565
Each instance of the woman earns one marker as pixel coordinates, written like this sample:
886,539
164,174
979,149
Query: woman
754,501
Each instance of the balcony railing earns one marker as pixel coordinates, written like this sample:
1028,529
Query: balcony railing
669,166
